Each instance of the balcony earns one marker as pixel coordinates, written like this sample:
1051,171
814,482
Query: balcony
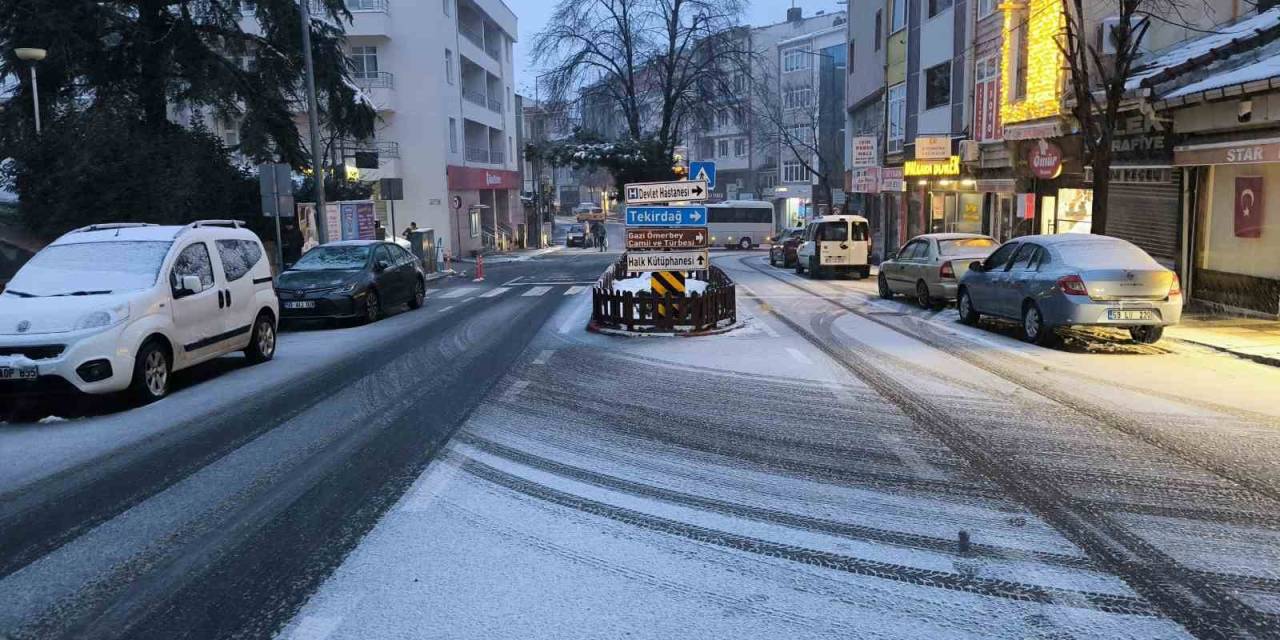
368,17
484,155
495,104
475,97
476,36
379,86
384,148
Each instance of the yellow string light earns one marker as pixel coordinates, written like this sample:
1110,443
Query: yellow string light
1045,63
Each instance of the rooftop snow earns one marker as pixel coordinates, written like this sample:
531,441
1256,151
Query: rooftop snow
1192,49
1268,67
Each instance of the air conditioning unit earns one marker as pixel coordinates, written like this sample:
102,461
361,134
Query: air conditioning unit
969,150
1106,44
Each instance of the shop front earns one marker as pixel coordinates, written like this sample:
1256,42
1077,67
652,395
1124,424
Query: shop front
482,202
1144,200
1233,222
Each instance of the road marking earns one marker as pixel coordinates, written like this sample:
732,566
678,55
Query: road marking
511,282
444,309
800,357
438,476
544,356
458,292
574,290
535,291
574,320
316,628
514,390
497,291
910,459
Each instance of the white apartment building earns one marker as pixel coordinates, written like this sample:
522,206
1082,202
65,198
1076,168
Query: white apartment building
441,74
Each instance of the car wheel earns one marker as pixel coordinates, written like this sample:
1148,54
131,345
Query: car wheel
1149,334
372,307
419,294
151,372
1033,327
744,244
262,344
922,295
883,284
799,266
964,305
815,271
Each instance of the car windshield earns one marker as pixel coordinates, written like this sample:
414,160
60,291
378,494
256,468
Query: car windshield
965,246
334,258
90,268
577,228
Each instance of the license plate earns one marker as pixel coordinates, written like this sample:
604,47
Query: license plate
1130,314
19,373
302,304
832,259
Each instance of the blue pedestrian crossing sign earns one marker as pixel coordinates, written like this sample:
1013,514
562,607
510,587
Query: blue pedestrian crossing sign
703,171
666,216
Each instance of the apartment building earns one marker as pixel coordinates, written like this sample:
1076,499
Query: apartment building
441,75
865,119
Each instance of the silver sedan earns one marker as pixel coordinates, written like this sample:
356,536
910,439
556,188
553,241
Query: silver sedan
1072,279
929,267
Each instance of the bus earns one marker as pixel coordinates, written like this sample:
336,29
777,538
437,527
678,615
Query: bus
741,224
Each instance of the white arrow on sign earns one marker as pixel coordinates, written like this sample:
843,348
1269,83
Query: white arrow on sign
695,216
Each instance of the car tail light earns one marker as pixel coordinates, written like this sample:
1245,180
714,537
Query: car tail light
1072,285
946,271
1175,287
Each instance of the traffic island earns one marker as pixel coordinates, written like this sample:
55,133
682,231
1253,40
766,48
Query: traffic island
663,303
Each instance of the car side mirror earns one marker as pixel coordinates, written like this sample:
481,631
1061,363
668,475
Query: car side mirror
976,265
190,285
381,265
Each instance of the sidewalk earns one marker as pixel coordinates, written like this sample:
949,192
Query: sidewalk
1254,339
511,256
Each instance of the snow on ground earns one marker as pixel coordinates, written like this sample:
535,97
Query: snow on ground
644,281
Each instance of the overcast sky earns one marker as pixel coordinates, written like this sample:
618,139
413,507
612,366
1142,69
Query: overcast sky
533,15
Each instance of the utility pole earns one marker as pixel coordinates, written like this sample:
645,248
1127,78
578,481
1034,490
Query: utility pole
313,118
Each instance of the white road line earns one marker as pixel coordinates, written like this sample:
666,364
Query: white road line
444,309
910,459
574,320
438,476
511,282
800,357
316,628
514,390
458,292
574,290
535,291
497,291
544,356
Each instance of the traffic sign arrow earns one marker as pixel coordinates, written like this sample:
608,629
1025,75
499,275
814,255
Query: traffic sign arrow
696,190
695,216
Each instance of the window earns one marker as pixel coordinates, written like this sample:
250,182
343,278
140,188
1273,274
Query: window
800,134
739,82
722,117
913,251
1020,55
833,232
193,261
453,135
707,148
364,61
794,171
964,245
381,255
850,64
1025,258
448,66
740,147
510,105
739,116
448,7
511,148
938,6
238,257
937,86
876,38
897,116
473,219
722,148
797,98
1001,256
231,137
986,7
795,60
898,19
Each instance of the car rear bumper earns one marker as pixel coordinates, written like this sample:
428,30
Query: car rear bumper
1064,310
944,290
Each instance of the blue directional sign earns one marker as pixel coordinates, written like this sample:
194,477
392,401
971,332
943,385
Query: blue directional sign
703,171
666,216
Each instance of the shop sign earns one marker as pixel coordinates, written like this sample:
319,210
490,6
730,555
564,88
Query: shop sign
864,151
468,178
891,180
1045,160
1142,147
866,180
1249,207
948,167
933,147
1032,131
1227,154
996,185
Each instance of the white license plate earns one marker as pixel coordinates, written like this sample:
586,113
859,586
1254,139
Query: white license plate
302,304
1130,314
19,373
833,260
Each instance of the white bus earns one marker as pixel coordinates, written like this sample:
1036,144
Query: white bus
739,223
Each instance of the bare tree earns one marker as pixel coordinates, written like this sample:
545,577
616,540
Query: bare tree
789,116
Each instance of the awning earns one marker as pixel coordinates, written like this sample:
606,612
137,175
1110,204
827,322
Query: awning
1242,152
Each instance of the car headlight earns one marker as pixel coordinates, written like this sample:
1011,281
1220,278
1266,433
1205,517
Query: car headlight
348,288
103,318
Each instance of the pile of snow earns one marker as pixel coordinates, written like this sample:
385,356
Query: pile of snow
642,284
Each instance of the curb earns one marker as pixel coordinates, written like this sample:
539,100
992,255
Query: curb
593,327
1272,361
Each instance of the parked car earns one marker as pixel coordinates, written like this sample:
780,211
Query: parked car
577,236
835,244
1072,279
930,266
351,279
111,307
783,250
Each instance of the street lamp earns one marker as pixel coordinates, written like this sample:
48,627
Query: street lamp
32,56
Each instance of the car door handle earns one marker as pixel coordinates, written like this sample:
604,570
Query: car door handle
228,297
221,304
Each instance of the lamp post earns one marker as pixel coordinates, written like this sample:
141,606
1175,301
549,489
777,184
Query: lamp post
32,56
313,120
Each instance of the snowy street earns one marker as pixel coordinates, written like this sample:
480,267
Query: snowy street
839,466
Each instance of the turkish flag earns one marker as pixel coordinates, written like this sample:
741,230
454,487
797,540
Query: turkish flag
1249,208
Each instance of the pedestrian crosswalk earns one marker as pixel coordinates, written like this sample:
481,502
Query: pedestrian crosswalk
524,289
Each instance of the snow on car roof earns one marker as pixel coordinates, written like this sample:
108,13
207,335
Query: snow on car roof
1089,251
350,243
152,233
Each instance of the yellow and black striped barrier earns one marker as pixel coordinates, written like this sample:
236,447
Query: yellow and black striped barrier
665,283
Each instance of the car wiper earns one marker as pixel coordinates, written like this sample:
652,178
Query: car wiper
20,294
82,293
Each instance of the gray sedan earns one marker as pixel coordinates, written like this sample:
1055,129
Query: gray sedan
929,267
1072,279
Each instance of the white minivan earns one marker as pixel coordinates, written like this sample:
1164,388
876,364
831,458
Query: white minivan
111,307
835,244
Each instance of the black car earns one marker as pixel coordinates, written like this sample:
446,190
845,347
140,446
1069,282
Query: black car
358,279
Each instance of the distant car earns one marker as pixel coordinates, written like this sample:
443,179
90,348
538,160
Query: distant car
351,279
1072,279
119,306
577,236
929,267
835,244
782,251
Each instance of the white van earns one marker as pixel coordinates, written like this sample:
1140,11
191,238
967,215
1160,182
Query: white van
835,244
111,307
